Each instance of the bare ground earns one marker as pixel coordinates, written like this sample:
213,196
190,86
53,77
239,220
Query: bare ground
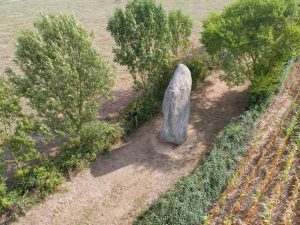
124,182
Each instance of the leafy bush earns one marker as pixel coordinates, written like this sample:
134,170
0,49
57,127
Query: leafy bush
147,38
193,196
82,149
10,109
253,40
63,75
17,147
20,146
259,95
140,111
180,26
39,179
4,203
199,67
100,136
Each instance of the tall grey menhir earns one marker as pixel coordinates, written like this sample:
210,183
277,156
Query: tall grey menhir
176,107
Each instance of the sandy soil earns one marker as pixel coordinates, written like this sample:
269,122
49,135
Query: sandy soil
122,183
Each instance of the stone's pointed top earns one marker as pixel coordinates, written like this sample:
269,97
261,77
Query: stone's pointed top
182,68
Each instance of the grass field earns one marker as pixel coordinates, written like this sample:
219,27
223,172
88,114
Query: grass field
19,14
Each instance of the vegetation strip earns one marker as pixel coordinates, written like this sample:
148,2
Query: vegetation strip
267,149
251,151
290,131
272,168
243,192
273,201
242,168
192,197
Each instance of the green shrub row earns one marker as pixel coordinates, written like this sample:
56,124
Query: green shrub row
193,196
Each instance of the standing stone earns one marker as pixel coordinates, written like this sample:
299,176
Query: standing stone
176,107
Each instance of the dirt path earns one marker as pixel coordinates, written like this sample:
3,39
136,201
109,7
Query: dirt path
122,183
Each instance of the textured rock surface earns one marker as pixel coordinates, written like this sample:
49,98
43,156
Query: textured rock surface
176,106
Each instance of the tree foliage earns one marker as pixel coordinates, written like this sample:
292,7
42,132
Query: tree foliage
147,37
17,147
4,203
10,110
63,75
253,39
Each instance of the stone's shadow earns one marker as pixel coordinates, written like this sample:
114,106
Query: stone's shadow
214,114
144,150
130,154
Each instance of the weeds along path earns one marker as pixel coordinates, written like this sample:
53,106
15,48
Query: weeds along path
122,183
266,186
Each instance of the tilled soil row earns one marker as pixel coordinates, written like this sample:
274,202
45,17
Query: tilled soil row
267,177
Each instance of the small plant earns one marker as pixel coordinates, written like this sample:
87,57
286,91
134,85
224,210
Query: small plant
4,202
228,221
267,215
40,179
233,180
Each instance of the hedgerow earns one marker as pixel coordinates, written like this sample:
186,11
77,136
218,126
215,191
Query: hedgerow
193,196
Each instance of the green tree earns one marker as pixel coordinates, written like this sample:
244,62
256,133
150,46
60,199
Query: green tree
180,26
253,39
4,203
63,75
147,38
10,110
17,147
